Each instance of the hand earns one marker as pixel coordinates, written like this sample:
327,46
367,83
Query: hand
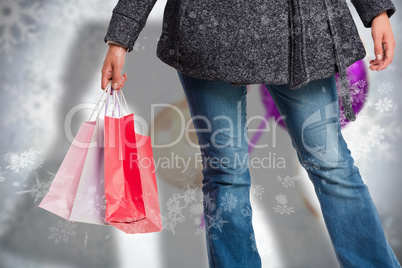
384,42
112,66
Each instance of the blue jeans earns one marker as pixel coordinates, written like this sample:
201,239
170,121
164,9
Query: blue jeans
311,116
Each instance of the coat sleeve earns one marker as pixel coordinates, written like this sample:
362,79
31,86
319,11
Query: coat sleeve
128,19
369,9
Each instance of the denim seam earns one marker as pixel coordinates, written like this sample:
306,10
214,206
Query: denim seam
301,157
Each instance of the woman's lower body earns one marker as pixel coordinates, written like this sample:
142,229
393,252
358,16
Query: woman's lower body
311,116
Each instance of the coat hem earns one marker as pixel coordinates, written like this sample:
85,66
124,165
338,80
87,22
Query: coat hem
174,62
195,72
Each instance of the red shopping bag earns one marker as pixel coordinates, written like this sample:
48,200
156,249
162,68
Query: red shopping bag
132,202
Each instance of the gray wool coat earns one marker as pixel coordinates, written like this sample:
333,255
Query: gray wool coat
254,42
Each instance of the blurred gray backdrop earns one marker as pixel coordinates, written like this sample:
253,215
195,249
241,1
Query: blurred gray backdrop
51,55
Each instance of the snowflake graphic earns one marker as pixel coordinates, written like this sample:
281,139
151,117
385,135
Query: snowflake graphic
310,164
282,206
216,221
355,89
199,231
282,209
209,202
33,117
359,97
281,199
189,195
288,181
214,237
40,189
18,23
361,83
189,178
65,201
39,65
247,212
197,221
196,209
229,202
258,190
168,223
385,88
375,134
369,103
392,68
175,206
119,200
197,215
62,176
383,105
62,231
97,204
28,160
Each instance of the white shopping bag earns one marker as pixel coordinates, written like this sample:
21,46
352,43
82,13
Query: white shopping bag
90,203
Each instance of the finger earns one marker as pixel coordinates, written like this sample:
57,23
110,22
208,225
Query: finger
123,79
389,55
116,80
374,65
121,82
378,49
106,76
380,54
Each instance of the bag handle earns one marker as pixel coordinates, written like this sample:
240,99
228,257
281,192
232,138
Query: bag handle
97,104
119,102
115,104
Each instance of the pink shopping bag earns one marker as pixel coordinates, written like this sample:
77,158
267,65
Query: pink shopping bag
62,192
60,198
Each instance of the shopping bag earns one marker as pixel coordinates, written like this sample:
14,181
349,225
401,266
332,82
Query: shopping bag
60,197
89,203
62,192
132,202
